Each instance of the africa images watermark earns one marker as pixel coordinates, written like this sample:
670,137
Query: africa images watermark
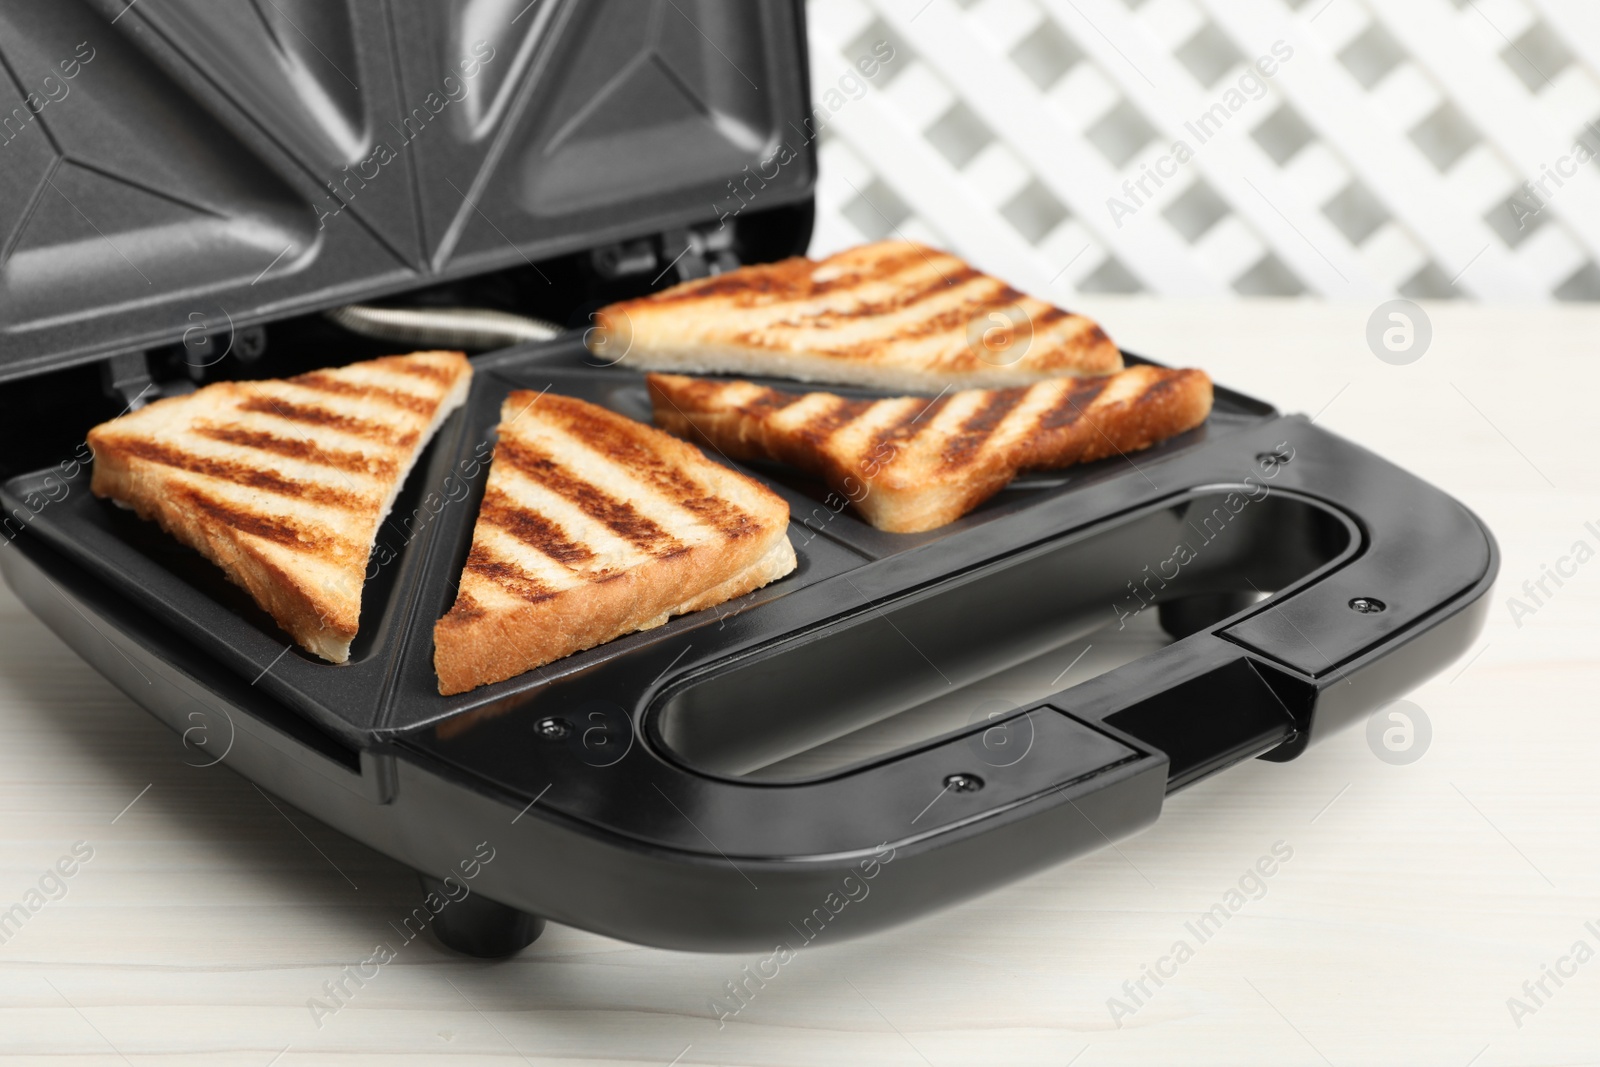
1212,526
1537,592
1536,194
1249,86
452,90
55,487
1537,992
855,491
453,489
853,889
1399,332
50,887
829,102
338,992
1251,886
51,90
1399,733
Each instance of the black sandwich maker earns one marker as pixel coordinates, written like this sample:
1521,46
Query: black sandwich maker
185,189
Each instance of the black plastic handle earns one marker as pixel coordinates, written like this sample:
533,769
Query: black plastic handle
1103,753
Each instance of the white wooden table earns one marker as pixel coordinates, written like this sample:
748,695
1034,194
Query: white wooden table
1418,898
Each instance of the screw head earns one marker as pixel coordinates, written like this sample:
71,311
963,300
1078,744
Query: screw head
1271,461
963,783
553,729
251,342
1367,605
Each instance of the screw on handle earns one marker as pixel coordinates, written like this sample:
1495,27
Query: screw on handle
552,729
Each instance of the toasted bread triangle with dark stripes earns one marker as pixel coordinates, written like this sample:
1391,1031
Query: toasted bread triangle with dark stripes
909,463
889,315
284,484
593,526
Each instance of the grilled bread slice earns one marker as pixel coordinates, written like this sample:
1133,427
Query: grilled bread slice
891,315
910,464
283,484
594,526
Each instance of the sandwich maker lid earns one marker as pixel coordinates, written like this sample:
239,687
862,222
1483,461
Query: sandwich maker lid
174,165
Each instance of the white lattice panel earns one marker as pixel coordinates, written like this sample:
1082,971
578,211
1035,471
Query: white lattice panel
1432,148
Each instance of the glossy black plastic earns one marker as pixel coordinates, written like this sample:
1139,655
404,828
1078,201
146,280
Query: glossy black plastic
636,820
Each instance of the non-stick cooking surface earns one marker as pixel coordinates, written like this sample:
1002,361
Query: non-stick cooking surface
389,685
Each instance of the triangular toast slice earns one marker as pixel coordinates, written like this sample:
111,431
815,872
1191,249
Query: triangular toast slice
910,464
593,526
284,484
888,315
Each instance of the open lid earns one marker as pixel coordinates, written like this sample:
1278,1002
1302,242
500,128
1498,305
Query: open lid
167,165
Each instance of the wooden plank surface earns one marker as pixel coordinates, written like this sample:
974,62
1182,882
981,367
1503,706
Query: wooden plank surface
1417,900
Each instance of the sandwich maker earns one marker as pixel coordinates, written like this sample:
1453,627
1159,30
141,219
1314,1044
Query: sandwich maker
187,188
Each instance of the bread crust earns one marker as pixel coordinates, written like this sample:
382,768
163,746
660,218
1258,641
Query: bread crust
287,510
893,315
317,624
702,534
911,464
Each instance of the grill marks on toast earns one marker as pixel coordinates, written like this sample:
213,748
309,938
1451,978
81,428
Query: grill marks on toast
617,515
284,483
979,427
927,462
528,469
300,448
1069,407
593,526
507,576
941,304
989,295
327,383
925,289
279,530
319,417
632,444
532,529
908,425
242,473
442,377
839,413
892,315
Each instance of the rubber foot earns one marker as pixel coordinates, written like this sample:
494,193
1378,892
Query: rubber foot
478,926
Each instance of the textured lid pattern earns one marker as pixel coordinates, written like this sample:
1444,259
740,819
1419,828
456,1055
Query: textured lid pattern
173,164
